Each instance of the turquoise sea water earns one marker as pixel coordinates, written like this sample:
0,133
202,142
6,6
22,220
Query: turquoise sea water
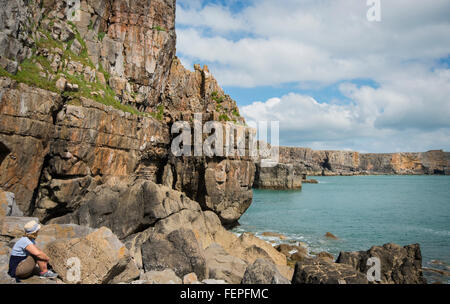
361,211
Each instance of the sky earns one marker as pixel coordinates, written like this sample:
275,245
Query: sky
333,78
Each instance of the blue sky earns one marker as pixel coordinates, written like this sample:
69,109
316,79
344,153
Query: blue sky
333,79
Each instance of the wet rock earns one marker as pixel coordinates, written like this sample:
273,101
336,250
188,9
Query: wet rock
331,236
289,250
310,181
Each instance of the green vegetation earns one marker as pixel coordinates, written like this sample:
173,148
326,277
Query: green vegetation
30,74
159,28
224,117
101,35
91,25
48,42
159,115
103,71
37,71
216,98
236,113
86,88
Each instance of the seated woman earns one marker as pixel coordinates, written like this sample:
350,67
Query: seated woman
25,255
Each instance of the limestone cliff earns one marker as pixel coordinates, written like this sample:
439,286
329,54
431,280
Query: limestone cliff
279,177
310,162
91,94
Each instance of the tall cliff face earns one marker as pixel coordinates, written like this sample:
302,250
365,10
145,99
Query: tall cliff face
310,162
90,96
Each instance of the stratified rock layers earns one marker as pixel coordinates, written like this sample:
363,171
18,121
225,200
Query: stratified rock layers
101,94
310,162
279,177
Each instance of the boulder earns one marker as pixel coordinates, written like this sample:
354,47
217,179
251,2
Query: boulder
190,278
179,250
318,271
331,236
166,276
289,250
130,273
12,226
54,232
222,266
263,272
325,255
127,206
286,271
298,256
249,248
101,255
399,265
206,226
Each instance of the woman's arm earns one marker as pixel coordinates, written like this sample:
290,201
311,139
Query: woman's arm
32,249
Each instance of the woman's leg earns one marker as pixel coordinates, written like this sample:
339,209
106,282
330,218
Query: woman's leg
42,266
25,268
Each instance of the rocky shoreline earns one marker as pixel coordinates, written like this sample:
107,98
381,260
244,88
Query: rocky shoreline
190,246
295,164
331,163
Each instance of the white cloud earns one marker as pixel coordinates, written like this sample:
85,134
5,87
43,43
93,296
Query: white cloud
406,117
273,42
317,43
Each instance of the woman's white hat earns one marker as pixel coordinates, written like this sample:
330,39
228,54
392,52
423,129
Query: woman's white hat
31,227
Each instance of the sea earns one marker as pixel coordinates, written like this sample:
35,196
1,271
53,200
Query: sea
362,211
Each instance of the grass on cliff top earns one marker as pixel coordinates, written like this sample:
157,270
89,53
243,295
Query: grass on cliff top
30,74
